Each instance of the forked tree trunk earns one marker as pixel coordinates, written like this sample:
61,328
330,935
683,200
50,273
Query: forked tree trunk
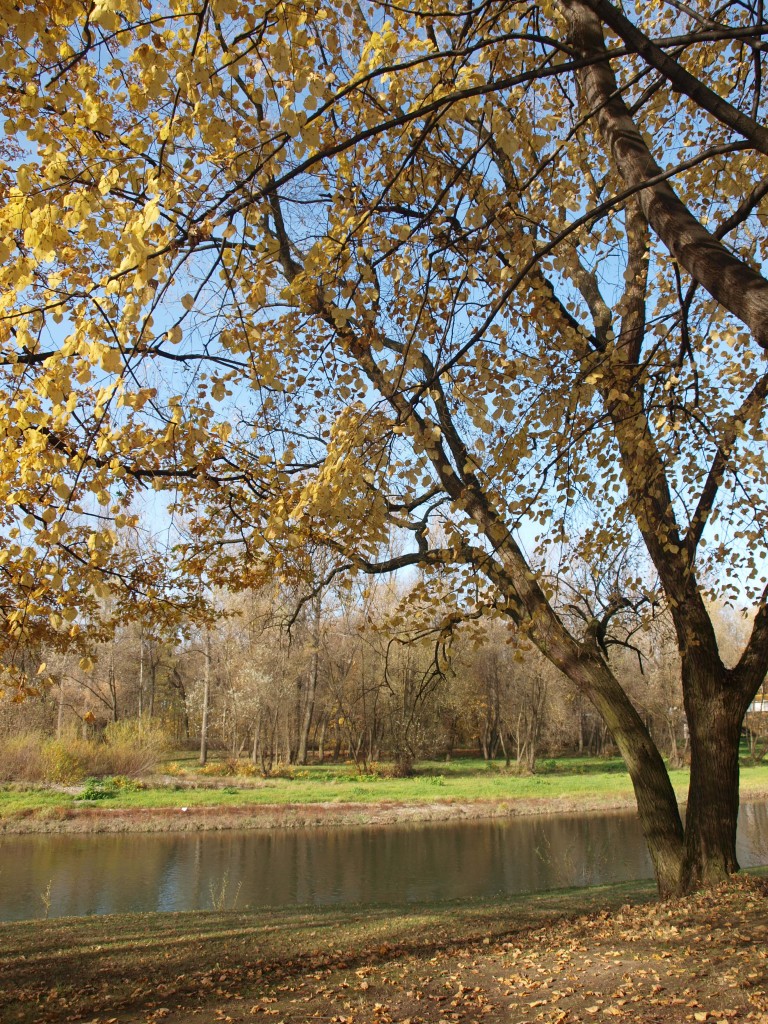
704,851
716,700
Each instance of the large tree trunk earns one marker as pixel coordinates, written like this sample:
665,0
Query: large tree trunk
714,714
656,801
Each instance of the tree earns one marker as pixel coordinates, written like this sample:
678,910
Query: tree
333,272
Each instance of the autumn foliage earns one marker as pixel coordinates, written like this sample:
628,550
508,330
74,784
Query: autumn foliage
487,284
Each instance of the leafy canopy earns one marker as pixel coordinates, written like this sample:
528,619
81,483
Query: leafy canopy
326,271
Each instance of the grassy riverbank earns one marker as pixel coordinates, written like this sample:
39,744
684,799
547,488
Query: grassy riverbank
187,799
557,958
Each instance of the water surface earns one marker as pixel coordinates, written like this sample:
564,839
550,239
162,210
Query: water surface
108,874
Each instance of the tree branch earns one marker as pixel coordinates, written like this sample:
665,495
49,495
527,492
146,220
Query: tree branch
733,283
680,79
752,404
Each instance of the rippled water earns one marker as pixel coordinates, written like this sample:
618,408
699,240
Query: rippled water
106,874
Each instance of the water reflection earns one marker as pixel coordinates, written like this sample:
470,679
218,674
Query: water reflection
112,874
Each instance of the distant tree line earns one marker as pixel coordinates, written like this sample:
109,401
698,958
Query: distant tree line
370,674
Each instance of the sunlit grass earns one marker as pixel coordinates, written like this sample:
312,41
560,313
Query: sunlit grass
464,780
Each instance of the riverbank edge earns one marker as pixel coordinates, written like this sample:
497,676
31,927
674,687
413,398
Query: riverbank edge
100,819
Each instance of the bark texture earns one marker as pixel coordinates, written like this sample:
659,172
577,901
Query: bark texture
680,79
733,283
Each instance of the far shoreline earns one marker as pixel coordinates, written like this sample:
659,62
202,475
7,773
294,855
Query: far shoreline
217,818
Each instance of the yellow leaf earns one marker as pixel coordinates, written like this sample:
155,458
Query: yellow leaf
109,180
111,360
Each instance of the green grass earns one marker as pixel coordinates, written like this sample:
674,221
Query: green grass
465,780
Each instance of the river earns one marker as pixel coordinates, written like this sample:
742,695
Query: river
108,874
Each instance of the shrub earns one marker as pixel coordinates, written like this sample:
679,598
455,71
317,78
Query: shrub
402,767
126,785
98,789
232,766
132,747
288,771
21,758
68,761
129,749
33,758
106,788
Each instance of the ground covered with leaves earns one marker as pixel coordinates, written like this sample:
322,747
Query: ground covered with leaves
602,954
